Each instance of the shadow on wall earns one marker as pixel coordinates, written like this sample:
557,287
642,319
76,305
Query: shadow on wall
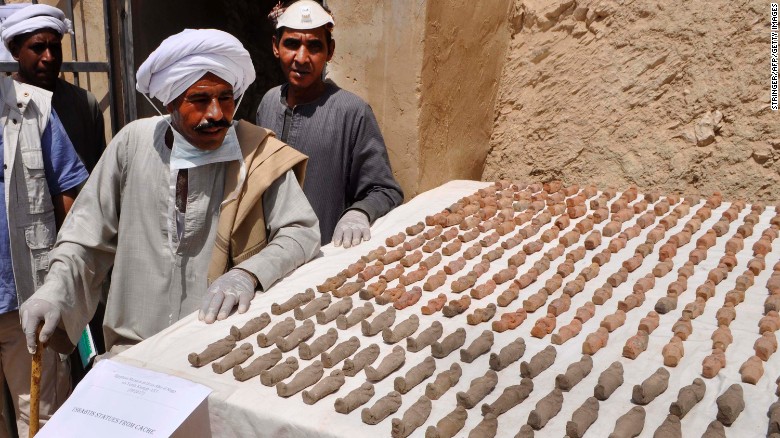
153,21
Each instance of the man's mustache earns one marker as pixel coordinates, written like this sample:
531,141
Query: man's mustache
223,123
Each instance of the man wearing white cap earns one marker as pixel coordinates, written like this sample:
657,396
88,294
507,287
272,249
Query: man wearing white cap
193,211
349,181
33,35
40,173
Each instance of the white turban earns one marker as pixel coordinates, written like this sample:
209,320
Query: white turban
33,18
182,59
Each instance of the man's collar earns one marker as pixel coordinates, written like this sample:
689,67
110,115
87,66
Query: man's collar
330,88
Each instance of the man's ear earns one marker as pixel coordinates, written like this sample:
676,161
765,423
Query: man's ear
14,49
331,49
275,46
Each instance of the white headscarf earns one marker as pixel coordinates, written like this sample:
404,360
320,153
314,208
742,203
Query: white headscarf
33,18
182,59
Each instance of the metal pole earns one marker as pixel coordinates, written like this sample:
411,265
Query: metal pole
109,52
69,5
131,111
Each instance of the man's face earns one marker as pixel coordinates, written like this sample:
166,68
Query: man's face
40,58
204,112
303,55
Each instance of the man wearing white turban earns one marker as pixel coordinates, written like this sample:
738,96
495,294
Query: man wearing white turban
33,36
40,174
192,210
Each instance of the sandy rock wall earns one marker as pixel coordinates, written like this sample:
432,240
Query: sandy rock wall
665,94
464,51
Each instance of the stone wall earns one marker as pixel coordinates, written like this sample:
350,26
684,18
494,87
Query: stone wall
430,71
465,47
666,94
378,56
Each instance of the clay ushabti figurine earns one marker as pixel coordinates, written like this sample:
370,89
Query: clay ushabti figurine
450,343
636,344
413,418
715,430
312,307
252,326
279,372
595,341
687,398
235,357
402,330
609,381
546,408
333,311
651,387
582,418
355,399
730,404
307,351
300,334
425,338
540,362
673,351
296,300
575,372
450,425
213,351
443,382
383,408
302,380
511,397
478,347
670,428
342,351
478,390
257,366
416,375
508,355
630,424
389,364
380,322
363,358
357,315
752,370
481,315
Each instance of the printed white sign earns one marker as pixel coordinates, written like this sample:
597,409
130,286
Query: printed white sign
117,400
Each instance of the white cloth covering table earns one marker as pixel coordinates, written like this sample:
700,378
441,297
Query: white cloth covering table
240,409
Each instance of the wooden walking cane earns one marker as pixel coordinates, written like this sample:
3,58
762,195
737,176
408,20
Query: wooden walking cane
35,384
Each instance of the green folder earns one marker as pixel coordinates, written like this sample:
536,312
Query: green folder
86,347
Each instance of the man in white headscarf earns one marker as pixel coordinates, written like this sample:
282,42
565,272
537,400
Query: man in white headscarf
192,210
33,36
38,184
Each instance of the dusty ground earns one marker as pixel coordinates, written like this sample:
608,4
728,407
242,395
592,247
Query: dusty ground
662,94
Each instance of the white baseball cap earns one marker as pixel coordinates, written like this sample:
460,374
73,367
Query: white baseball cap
305,14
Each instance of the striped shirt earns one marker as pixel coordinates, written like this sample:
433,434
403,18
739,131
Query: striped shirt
348,166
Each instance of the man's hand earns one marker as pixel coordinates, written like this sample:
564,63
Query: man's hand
234,286
34,312
351,229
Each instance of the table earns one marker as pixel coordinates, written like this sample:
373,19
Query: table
251,409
